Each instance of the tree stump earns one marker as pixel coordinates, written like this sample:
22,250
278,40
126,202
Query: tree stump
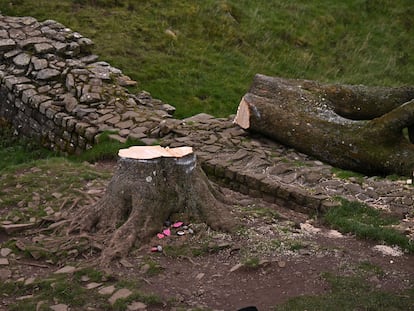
149,186
324,121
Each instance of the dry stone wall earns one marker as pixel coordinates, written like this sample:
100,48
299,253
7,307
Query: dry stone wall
53,89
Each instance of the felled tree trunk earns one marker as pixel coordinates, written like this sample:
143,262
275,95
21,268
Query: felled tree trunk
150,185
309,117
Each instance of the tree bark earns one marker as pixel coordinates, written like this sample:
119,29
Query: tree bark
151,185
314,119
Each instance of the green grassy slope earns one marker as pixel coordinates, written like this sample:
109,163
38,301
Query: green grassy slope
213,48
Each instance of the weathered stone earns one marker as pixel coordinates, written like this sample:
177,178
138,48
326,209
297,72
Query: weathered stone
136,305
32,41
90,98
7,44
4,252
22,60
48,74
108,290
5,274
125,125
59,307
93,285
120,293
12,53
42,48
66,270
39,63
4,262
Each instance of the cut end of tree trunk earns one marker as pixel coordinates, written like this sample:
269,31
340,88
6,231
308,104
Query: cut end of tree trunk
357,128
242,118
153,152
151,185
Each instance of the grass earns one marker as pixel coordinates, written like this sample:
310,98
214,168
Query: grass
201,56
105,149
367,223
345,174
15,150
351,293
70,290
43,186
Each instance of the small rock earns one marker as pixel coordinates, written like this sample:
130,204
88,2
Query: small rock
12,228
200,276
236,267
22,60
59,307
144,269
5,274
29,281
85,278
24,297
121,293
66,269
126,263
281,264
388,250
4,252
93,285
136,305
4,262
108,290
47,74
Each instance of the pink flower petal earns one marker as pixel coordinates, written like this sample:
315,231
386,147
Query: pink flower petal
167,232
160,235
177,224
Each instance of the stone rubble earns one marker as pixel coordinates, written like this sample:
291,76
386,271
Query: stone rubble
54,89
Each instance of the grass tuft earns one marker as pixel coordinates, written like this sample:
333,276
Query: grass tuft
350,293
366,222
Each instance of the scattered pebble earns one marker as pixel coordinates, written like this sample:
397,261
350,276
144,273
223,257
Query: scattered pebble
29,281
388,250
4,252
4,262
120,293
59,307
200,276
92,285
136,305
108,290
236,267
66,269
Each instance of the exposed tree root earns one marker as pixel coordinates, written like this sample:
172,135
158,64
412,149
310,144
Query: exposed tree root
143,194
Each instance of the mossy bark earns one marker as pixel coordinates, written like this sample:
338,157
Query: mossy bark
306,116
143,194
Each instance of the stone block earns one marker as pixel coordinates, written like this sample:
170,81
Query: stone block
7,45
28,94
37,100
44,106
48,74
22,60
11,81
50,113
81,142
90,133
80,128
70,124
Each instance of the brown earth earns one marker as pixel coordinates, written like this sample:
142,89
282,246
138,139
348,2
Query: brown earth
276,254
